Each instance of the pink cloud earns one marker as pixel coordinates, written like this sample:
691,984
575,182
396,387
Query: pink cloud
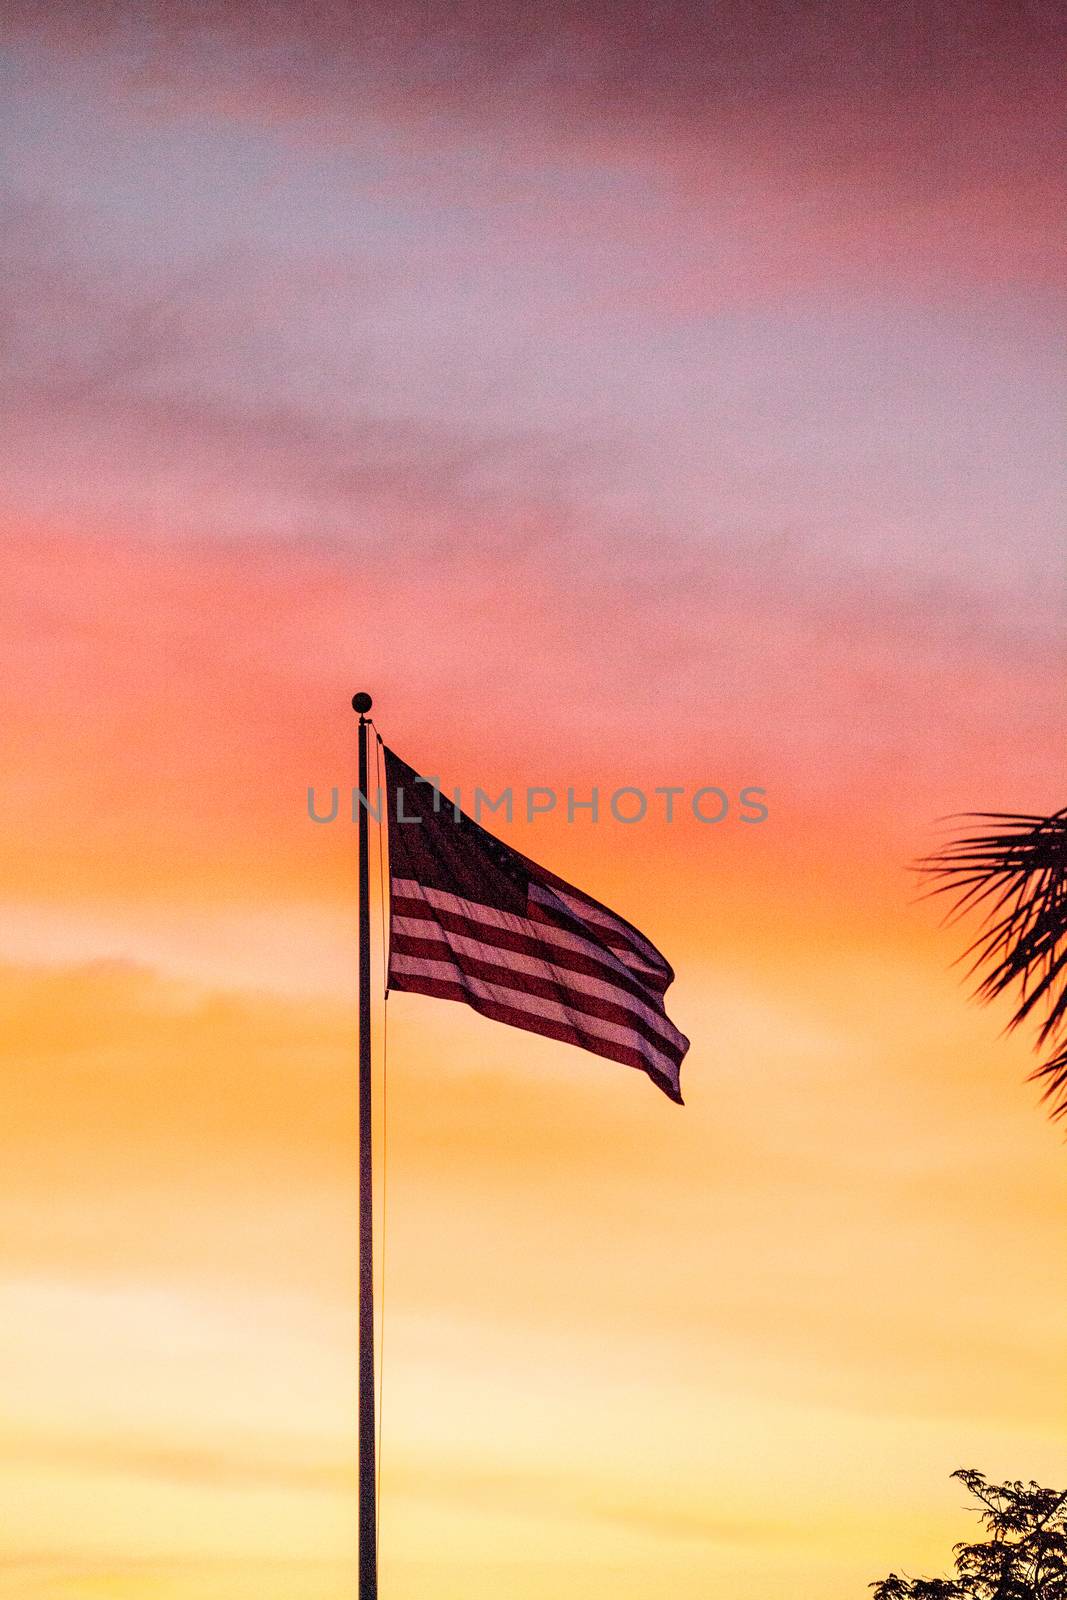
784,149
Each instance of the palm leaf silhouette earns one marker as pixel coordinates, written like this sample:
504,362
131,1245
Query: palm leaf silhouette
1014,877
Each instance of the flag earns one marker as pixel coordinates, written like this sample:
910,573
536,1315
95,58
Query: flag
475,921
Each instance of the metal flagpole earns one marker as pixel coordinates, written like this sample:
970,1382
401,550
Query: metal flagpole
368,1526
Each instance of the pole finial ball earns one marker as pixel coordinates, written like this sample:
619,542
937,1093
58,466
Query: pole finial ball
362,703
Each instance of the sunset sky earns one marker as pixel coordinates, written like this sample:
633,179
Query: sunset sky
648,394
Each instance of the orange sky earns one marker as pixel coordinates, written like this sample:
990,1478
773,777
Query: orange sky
669,412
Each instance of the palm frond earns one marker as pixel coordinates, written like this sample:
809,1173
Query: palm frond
1052,1076
1015,876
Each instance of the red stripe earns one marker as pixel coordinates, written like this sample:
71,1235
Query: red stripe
644,947
556,955
527,983
532,1023
561,917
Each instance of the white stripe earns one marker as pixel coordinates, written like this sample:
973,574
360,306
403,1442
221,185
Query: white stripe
518,1000
475,911
563,976
600,917
638,945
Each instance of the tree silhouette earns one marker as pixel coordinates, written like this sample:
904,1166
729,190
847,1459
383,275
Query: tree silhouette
1023,1557
1016,877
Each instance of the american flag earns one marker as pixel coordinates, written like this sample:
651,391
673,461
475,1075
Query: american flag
473,920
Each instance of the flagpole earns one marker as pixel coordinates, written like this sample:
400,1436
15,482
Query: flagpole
368,1522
